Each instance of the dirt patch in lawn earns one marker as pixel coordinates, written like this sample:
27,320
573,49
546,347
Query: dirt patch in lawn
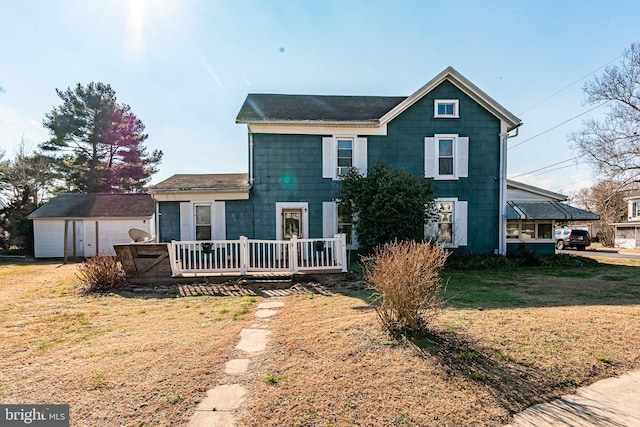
118,361
530,336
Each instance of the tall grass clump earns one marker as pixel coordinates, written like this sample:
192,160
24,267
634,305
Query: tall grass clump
407,288
101,274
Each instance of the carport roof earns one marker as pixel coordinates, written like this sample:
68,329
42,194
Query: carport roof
549,210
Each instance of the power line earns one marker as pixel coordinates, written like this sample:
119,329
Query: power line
568,86
546,167
558,125
571,183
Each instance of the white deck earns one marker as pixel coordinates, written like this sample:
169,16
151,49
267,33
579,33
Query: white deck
250,256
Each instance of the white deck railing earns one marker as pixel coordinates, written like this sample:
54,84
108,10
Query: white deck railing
246,256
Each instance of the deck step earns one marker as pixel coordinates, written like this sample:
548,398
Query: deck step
270,281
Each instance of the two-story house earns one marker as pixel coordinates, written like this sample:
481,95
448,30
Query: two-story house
299,146
627,234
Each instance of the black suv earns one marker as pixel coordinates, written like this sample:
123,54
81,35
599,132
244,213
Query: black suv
578,239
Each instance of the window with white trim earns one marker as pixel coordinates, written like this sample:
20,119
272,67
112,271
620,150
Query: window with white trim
635,210
446,157
335,220
447,223
345,224
340,153
344,155
529,230
446,108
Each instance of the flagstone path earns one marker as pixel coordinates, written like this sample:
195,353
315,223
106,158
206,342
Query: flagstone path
218,408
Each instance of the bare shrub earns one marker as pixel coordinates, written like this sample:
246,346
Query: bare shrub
408,290
101,274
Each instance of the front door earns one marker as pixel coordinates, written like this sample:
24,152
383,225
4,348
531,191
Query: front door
292,223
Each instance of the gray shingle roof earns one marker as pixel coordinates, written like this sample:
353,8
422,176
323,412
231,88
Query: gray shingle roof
203,182
96,205
361,110
547,211
316,108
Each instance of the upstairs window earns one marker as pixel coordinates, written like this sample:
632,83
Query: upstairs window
446,108
635,209
446,157
339,153
344,155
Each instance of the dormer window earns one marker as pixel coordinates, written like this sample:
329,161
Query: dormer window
446,108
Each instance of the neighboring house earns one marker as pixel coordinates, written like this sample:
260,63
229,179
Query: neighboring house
299,146
89,224
627,234
533,214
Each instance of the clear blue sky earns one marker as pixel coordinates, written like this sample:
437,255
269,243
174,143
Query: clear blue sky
185,66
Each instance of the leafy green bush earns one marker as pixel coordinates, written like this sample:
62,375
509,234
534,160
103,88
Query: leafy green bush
408,290
101,274
385,204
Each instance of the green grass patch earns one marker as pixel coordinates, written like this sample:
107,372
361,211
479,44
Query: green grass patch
274,379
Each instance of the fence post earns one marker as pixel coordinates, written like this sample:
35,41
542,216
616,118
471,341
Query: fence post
293,250
342,253
244,254
173,258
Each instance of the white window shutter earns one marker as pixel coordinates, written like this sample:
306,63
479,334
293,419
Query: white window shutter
329,219
219,221
460,223
430,157
328,157
463,156
360,160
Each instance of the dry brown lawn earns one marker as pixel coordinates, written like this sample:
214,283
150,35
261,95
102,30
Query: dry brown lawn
506,340
118,361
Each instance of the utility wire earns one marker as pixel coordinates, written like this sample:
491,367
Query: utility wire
571,183
572,84
558,125
546,167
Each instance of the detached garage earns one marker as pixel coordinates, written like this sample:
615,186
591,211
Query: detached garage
88,224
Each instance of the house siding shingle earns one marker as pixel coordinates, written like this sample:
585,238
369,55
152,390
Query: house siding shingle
288,168
403,147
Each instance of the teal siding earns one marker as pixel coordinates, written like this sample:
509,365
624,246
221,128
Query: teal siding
403,147
288,168
169,221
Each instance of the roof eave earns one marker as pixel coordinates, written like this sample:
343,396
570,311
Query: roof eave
199,190
464,85
537,190
313,123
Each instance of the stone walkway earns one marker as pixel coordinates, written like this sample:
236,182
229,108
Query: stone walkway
218,408
612,402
